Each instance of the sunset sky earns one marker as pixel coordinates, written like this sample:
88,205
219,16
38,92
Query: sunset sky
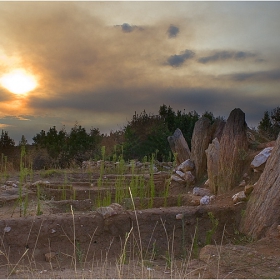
96,63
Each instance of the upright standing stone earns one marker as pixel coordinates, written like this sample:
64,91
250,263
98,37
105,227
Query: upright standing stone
233,151
218,127
262,212
202,136
213,154
179,146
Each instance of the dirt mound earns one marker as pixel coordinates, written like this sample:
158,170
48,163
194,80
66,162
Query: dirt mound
56,231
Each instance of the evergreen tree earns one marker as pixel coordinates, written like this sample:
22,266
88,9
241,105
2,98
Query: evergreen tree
6,142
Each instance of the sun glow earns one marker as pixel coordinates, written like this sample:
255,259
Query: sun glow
18,81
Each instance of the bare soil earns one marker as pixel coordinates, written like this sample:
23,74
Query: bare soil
175,238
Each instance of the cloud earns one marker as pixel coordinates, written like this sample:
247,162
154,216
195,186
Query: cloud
178,59
4,126
127,28
172,31
226,55
258,76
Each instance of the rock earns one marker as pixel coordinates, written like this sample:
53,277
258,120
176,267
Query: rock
218,127
246,177
238,197
185,166
7,229
262,210
179,146
179,216
260,159
250,136
212,154
248,189
266,145
12,183
242,184
233,151
177,179
205,200
195,202
189,178
180,173
49,256
40,183
113,209
201,191
201,137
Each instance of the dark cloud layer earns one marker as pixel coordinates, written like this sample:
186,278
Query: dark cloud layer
258,76
173,31
226,55
178,59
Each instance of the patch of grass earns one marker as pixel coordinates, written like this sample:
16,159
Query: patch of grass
211,232
39,212
51,173
179,200
241,239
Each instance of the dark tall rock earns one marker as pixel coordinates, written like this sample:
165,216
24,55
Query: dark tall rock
202,136
233,151
218,127
179,146
262,212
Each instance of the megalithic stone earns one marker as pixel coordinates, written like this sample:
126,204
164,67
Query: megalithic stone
179,146
233,151
262,213
201,137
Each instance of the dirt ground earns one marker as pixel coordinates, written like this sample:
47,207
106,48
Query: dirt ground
166,241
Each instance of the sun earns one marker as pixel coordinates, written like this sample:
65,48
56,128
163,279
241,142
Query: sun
18,81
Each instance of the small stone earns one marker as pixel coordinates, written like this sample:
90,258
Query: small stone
179,216
238,197
242,183
176,178
205,200
180,173
195,202
248,189
278,227
212,198
7,229
201,191
185,166
49,256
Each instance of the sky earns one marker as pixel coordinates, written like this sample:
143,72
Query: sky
97,63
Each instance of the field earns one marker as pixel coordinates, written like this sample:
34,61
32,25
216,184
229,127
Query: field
64,224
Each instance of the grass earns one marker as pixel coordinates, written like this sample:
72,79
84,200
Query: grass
211,232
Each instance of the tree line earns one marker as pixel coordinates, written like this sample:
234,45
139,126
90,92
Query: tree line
144,135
